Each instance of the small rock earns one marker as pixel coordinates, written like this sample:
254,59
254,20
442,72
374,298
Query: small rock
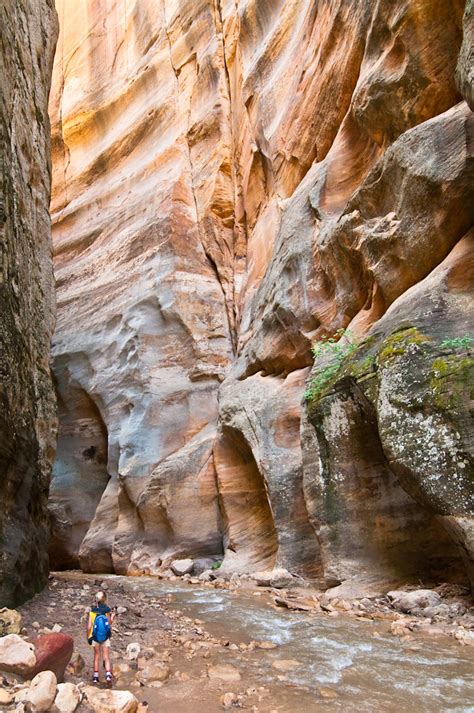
20,695
296,604
465,637
224,672
433,631
10,621
328,693
153,672
56,628
277,578
16,655
42,692
76,664
399,629
5,697
418,599
107,701
67,698
230,700
182,567
286,665
133,651
36,625
121,668
266,645
122,610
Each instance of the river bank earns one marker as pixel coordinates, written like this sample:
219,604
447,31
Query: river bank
223,645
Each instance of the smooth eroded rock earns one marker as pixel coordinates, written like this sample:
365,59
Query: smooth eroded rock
418,599
5,697
67,698
182,567
292,174
17,655
41,693
153,672
110,701
53,653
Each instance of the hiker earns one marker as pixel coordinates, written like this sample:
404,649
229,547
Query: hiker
99,631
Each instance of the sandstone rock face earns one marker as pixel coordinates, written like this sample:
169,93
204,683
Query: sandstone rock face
27,411
233,183
465,68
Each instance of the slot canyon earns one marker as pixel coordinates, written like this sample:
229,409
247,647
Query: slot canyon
231,184
260,218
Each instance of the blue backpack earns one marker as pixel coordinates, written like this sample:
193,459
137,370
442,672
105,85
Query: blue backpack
101,629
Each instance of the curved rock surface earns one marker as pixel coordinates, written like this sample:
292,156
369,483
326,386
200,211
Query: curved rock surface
27,410
233,183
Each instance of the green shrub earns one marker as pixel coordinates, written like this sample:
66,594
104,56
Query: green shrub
336,352
464,342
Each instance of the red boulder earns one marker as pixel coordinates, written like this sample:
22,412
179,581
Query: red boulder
53,653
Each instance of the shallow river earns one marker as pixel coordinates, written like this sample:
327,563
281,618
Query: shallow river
369,674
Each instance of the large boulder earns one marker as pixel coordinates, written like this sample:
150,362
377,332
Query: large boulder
110,701
17,655
42,692
53,653
67,698
410,601
182,567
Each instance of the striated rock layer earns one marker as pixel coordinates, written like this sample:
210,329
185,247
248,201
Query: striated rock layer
234,182
27,412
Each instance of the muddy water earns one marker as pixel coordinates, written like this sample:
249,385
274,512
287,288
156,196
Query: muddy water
366,672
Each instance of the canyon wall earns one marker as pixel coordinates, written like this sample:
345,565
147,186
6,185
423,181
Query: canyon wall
28,410
234,183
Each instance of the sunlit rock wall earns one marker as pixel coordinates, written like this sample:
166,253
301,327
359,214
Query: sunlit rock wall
233,182
27,408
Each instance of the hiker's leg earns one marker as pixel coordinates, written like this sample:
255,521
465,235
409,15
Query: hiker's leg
96,661
107,657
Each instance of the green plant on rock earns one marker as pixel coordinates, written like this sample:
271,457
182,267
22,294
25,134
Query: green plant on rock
450,381
464,342
216,565
333,351
398,342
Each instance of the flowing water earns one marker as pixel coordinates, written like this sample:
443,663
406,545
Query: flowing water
369,673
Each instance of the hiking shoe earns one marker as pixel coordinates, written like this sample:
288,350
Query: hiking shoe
108,676
95,677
